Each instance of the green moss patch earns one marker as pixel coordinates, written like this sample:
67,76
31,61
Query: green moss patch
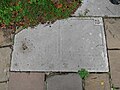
25,13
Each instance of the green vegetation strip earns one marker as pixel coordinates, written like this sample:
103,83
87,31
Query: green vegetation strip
16,13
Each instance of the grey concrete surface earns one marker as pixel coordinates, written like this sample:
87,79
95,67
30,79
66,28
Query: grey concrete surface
64,82
68,45
98,8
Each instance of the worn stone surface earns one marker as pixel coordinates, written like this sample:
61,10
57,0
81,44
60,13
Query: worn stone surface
68,45
26,81
3,86
112,28
6,38
97,82
4,63
114,59
64,82
98,8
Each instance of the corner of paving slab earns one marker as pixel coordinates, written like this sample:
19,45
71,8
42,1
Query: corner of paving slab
6,38
4,86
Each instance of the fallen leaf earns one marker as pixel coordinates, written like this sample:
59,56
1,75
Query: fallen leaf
59,5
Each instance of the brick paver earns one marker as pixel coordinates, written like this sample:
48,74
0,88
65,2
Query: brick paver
5,37
26,81
97,82
64,82
4,86
4,63
114,59
112,27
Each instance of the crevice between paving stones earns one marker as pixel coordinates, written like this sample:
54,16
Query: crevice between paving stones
50,74
113,48
106,44
11,56
107,54
4,81
4,46
109,73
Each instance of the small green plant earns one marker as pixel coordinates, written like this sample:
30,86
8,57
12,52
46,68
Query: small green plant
83,73
113,87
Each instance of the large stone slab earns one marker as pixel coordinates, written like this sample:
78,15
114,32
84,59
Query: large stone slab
4,63
98,8
26,81
114,58
64,82
97,82
68,45
112,28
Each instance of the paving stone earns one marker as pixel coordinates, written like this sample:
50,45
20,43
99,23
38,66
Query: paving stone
112,28
97,82
3,86
114,59
98,8
26,81
64,82
6,38
4,63
68,45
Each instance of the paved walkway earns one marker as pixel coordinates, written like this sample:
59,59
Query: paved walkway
104,76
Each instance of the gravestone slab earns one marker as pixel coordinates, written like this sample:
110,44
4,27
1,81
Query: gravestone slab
98,8
67,45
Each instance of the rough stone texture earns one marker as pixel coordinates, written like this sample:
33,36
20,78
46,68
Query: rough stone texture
64,82
26,81
76,42
98,8
112,28
4,63
6,38
97,82
3,86
114,59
